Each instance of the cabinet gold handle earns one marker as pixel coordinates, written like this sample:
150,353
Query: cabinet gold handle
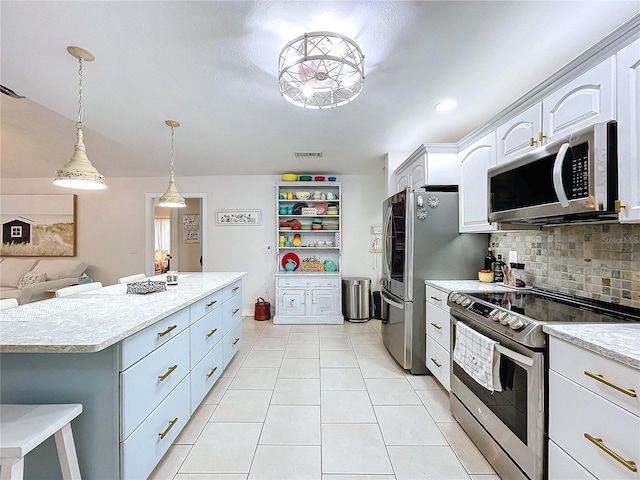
618,206
236,340
435,325
436,362
596,376
234,289
212,372
630,464
172,327
171,424
436,299
169,372
212,302
212,332
541,136
235,311
532,142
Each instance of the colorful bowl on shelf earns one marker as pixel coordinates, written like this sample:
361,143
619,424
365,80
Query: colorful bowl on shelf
332,179
303,195
289,177
304,178
319,178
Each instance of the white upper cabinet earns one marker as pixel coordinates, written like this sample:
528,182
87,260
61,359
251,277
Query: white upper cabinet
475,160
588,99
520,134
434,164
628,75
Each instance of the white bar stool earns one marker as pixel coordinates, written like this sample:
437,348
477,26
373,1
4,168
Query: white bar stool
24,427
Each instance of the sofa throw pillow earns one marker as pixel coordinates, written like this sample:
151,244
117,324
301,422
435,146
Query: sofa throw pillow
31,278
13,269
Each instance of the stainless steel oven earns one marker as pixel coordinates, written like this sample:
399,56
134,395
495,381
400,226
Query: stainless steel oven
509,425
514,418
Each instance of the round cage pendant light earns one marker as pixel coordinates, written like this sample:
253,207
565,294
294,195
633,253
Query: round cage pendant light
78,171
171,197
321,70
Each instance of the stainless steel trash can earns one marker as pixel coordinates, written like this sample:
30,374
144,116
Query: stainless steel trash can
355,298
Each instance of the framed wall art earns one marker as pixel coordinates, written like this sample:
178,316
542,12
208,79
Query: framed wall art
238,217
38,225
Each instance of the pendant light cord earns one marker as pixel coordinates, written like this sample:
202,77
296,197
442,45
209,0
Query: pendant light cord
79,122
172,167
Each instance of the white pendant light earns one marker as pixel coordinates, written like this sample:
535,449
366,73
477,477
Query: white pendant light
79,172
321,70
171,197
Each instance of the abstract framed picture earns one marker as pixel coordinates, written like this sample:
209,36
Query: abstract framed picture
238,217
38,225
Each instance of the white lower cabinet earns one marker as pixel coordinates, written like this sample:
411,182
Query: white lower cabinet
438,330
309,299
594,417
168,369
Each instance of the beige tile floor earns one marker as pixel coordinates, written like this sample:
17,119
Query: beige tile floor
324,402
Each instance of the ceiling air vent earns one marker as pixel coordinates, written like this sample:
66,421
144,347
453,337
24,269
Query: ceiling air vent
307,154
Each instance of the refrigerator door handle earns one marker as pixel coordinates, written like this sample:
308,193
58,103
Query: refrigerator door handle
387,244
391,302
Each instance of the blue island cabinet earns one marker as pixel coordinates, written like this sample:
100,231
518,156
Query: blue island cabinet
137,394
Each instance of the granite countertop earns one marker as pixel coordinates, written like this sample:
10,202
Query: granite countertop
469,286
615,341
94,320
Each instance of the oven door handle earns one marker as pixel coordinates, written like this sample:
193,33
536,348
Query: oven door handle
518,357
391,302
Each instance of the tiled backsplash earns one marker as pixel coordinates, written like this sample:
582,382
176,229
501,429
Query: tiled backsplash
595,261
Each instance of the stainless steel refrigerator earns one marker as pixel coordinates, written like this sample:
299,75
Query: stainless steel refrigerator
421,242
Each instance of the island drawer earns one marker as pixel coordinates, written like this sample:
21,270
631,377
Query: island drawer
204,306
205,374
231,312
231,290
309,282
231,343
596,373
142,451
148,382
142,343
204,334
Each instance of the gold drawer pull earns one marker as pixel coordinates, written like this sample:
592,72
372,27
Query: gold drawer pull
436,362
172,327
169,372
235,311
212,332
436,298
212,372
435,325
234,289
630,464
236,340
171,424
596,376
212,302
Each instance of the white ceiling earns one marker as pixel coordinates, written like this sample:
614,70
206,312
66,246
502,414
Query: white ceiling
211,65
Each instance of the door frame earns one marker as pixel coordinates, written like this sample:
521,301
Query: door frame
149,242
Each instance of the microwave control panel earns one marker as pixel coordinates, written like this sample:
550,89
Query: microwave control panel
578,160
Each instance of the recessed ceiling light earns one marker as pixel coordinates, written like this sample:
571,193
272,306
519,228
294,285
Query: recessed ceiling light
445,105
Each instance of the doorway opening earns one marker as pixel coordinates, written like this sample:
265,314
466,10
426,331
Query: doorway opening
175,237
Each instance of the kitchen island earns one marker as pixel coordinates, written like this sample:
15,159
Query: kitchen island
139,364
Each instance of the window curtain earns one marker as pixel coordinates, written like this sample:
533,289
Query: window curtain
163,234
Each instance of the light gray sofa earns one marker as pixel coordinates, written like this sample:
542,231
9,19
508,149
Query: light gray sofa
29,279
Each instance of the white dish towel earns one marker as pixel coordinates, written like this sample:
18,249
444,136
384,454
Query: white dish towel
478,356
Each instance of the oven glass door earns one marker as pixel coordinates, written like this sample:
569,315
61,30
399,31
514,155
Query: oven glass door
509,405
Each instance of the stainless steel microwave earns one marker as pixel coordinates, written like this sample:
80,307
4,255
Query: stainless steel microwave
573,179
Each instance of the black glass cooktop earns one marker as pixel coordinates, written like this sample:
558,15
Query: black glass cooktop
549,306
